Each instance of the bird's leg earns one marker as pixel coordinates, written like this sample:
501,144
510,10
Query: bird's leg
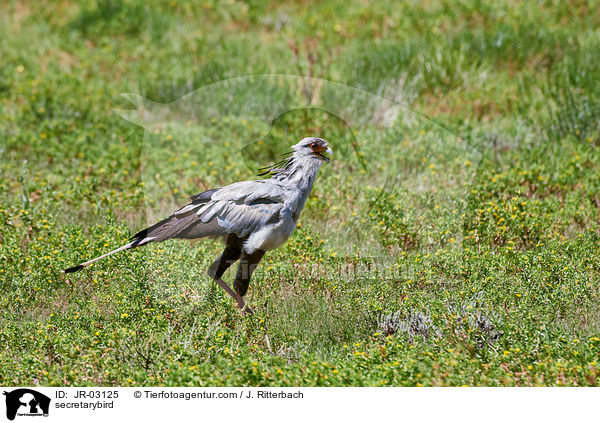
232,252
236,297
248,263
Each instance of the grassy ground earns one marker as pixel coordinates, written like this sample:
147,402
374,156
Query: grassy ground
516,304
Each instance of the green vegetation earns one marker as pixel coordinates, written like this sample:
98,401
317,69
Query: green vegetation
517,304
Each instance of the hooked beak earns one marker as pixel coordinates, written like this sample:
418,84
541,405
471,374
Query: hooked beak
327,156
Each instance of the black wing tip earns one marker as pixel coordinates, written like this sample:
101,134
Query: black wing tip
73,269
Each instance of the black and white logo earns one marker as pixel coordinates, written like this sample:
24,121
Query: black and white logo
26,402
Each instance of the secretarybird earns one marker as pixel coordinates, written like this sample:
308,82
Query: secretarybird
251,216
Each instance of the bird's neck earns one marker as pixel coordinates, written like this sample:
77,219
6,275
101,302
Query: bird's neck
298,179
299,173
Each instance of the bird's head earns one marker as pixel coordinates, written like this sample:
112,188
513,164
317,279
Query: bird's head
313,148
309,151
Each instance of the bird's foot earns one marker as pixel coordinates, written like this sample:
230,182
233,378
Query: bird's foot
238,298
246,310
243,306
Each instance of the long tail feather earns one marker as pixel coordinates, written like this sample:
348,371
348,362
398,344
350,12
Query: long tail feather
184,223
87,263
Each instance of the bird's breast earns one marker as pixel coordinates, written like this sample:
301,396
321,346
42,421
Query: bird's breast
273,235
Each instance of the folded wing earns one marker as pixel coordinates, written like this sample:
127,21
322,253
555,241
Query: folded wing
240,208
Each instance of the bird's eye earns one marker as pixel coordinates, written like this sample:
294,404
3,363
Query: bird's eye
314,145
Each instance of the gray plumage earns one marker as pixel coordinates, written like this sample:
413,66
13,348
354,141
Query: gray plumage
252,216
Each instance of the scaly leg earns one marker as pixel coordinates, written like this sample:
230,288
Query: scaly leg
230,255
248,263
236,297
